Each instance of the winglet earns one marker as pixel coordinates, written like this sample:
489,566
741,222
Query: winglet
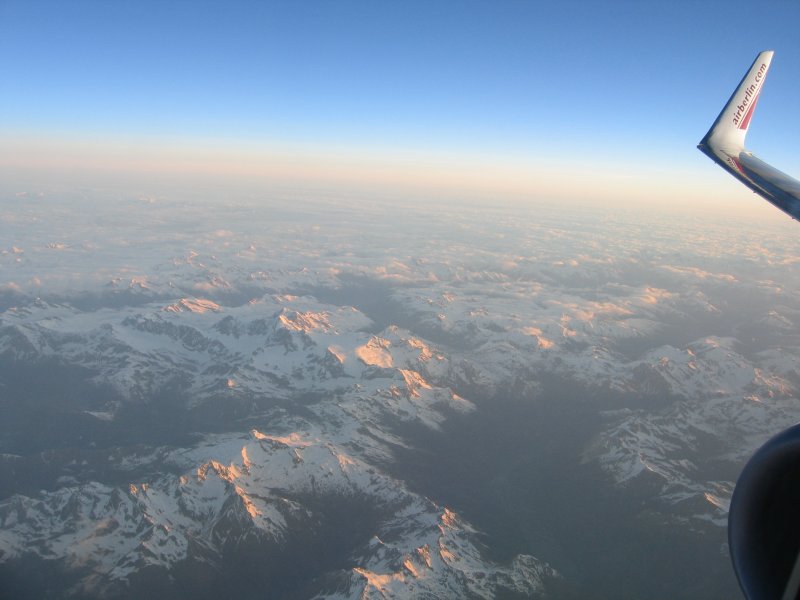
729,130
724,144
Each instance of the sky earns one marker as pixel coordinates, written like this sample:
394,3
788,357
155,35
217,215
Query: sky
542,100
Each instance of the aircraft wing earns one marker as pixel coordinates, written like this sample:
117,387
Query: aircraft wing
724,143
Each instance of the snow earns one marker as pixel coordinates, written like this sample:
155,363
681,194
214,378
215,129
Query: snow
374,353
455,306
196,305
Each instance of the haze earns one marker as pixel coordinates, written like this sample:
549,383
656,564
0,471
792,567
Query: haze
361,301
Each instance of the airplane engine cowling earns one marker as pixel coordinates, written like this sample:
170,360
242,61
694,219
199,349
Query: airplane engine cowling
764,518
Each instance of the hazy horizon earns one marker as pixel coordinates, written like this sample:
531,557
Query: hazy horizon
575,101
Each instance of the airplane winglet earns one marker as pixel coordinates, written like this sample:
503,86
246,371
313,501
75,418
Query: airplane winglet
729,130
724,143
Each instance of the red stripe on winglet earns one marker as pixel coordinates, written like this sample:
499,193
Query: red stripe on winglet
746,121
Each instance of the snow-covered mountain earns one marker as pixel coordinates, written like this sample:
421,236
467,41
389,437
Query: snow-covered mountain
232,488
176,407
258,491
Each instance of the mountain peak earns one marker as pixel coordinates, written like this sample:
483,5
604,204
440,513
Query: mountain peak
194,305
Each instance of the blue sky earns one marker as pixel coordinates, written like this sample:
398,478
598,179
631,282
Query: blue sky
627,85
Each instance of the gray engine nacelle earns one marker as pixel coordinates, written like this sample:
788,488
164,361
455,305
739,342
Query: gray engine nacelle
764,520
